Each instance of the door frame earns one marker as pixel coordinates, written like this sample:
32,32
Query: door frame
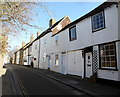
49,62
86,50
63,61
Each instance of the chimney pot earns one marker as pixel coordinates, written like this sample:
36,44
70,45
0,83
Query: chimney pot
52,22
32,37
38,33
23,44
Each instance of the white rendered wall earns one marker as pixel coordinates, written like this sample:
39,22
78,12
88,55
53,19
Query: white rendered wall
118,58
119,21
53,66
86,38
35,52
112,74
18,56
25,56
119,42
45,50
108,74
75,63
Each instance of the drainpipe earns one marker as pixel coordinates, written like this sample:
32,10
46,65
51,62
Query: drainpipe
39,54
28,57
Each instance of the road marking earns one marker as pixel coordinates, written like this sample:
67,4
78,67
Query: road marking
20,84
75,91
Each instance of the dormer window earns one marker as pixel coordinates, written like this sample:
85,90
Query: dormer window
98,21
72,33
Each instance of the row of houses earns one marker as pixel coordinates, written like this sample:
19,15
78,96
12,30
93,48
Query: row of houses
85,47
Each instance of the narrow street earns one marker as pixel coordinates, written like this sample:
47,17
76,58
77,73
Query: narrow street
33,83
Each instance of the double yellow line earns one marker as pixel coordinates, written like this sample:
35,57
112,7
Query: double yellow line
22,86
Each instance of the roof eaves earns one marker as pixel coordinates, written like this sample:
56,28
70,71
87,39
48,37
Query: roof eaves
49,29
94,11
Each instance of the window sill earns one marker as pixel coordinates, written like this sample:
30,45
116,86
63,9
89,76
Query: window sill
73,40
108,69
98,29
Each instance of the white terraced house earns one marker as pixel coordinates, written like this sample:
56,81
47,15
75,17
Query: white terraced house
87,47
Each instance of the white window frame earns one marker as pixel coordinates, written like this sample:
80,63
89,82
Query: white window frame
98,21
104,55
72,34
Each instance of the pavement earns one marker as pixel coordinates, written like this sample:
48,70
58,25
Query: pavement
2,72
75,82
10,86
82,85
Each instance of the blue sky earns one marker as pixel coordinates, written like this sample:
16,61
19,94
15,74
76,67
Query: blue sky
57,11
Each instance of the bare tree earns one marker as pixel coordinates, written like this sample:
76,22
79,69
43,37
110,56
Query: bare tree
15,17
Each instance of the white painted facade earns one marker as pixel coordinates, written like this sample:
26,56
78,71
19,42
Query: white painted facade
72,50
25,56
29,54
45,50
86,38
35,53
118,51
49,49
17,57
81,56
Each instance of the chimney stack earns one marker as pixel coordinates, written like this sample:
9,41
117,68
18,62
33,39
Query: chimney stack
38,33
23,44
32,37
52,22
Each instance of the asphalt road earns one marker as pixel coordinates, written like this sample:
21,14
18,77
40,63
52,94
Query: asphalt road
33,83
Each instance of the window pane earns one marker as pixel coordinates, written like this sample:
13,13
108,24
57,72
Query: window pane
103,64
103,59
113,64
107,64
112,58
102,47
112,46
98,21
107,59
112,52
107,54
73,33
107,47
